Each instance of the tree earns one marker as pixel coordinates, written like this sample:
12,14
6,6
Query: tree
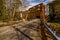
54,10
11,7
2,10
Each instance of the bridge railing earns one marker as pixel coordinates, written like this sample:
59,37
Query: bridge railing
54,36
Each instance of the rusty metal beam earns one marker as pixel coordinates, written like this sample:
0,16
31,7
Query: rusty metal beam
42,18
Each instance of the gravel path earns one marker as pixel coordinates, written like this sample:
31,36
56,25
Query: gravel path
29,28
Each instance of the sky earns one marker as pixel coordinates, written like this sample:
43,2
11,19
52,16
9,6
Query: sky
31,3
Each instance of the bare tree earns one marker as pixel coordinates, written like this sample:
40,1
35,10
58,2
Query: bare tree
11,7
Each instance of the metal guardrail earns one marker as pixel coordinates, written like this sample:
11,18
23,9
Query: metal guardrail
51,32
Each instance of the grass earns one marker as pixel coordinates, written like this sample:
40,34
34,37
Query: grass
8,23
56,27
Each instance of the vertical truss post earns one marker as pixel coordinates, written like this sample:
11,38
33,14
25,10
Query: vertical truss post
42,19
